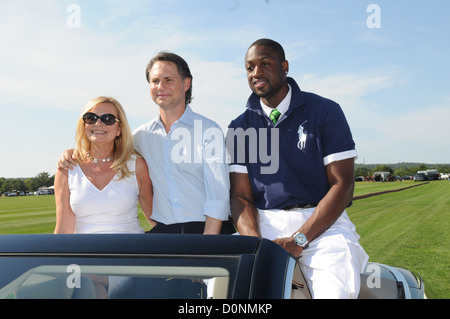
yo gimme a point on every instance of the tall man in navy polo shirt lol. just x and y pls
(296, 196)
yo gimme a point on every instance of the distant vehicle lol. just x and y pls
(420, 177)
(163, 266)
(432, 174)
(381, 176)
(359, 178)
(41, 192)
(407, 177)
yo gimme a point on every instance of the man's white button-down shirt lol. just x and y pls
(188, 168)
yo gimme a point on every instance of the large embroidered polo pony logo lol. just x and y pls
(301, 136)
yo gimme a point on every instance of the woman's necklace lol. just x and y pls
(98, 160)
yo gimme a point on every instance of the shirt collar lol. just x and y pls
(297, 99)
(282, 107)
(186, 118)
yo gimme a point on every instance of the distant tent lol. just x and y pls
(45, 189)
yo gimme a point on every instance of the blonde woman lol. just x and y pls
(100, 195)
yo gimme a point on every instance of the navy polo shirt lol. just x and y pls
(286, 162)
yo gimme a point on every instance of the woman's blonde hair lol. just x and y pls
(123, 144)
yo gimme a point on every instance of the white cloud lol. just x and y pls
(418, 135)
(349, 89)
(426, 126)
(220, 90)
(355, 92)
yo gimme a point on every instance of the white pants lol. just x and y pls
(332, 263)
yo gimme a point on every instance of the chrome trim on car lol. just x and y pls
(399, 276)
(288, 279)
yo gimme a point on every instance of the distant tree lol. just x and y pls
(421, 167)
(362, 171)
(405, 170)
(2, 185)
(44, 179)
(17, 184)
(383, 168)
(30, 184)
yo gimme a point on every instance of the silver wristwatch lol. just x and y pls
(301, 240)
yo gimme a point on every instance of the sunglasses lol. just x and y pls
(107, 119)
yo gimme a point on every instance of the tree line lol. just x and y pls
(400, 169)
(26, 184)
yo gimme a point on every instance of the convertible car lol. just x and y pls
(142, 266)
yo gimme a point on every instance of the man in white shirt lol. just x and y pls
(185, 153)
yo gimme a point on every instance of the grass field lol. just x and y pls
(409, 228)
(27, 214)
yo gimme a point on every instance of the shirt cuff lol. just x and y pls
(217, 209)
(339, 157)
(238, 169)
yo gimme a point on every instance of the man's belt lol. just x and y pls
(299, 206)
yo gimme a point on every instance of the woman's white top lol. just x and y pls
(112, 209)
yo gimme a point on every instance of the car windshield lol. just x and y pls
(117, 277)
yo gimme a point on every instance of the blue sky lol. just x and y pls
(392, 82)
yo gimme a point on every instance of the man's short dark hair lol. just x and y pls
(182, 66)
(273, 44)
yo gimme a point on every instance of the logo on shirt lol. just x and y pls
(301, 136)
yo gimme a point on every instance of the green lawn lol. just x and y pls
(27, 214)
(34, 215)
(362, 188)
(409, 228)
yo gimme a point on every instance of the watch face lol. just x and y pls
(300, 239)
